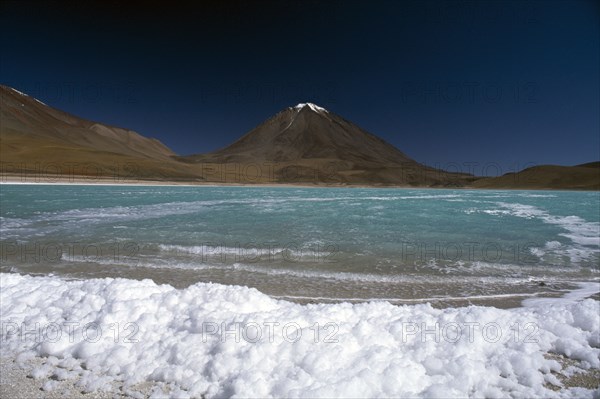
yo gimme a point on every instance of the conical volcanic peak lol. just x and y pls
(325, 147)
(309, 132)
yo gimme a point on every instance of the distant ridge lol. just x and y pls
(589, 165)
(304, 144)
(34, 137)
(551, 177)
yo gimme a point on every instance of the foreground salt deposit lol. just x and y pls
(222, 341)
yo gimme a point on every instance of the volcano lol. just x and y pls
(309, 143)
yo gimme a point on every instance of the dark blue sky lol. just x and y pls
(490, 82)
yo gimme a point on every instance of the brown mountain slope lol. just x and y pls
(36, 138)
(590, 165)
(308, 143)
(310, 132)
(305, 144)
(580, 177)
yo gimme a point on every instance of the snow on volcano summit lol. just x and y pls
(312, 106)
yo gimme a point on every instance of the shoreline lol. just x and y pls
(559, 291)
(107, 181)
(572, 291)
(18, 382)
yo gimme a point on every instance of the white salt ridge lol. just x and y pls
(581, 231)
(108, 215)
(12, 227)
(584, 235)
(585, 290)
(375, 354)
(527, 195)
(406, 300)
(294, 252)
(508, 273)
(548, 247)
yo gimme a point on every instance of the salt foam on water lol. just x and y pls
(215, 340)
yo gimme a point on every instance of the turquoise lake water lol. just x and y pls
(308, 244)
